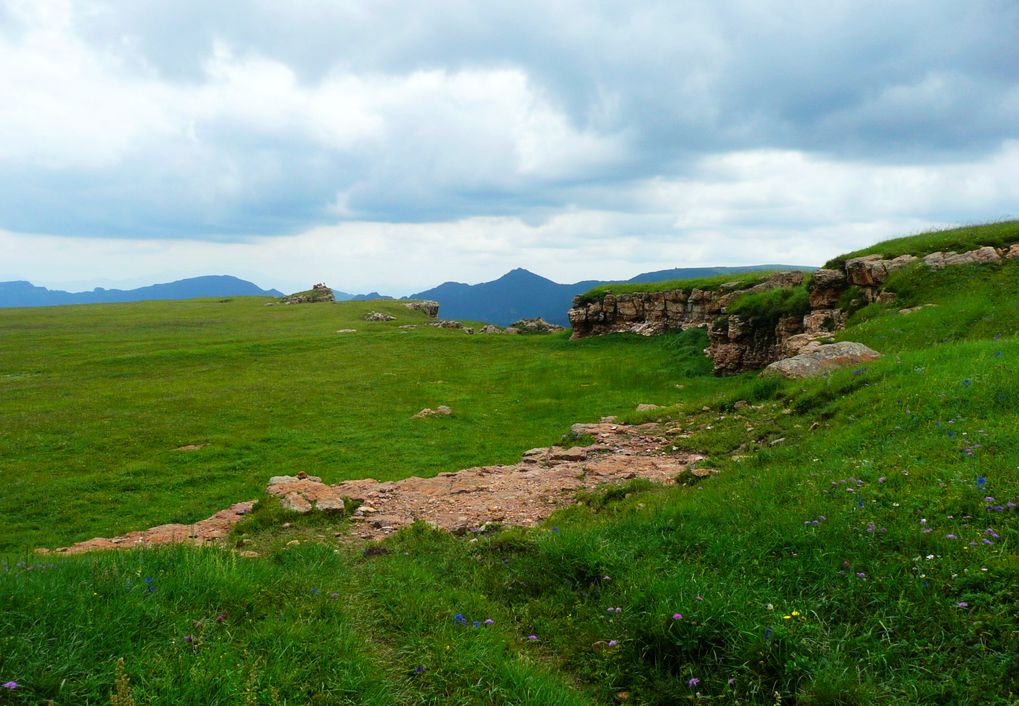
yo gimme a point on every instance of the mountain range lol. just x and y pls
(23, 293)
(518, 294)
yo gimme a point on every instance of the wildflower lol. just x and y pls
(150, 589)
(459, 618)
(12, 685)
(991, 532)
(148, 580)
(871, 527)
(962, 604)
(189, 639)
(950, 536)
(532, 638)
(419, 669)
(334, 595)
(489, 621)
(555, 529)
(768, 633)
(314, 591)
(981, 481)
(822, 518)
(967, 382)
(221, 618)
(861, 575)
(476, 623)
(612, 643)
(677, 616)
(693, 682)
(985, 540)
(882, 479)
(795, 613)
(732, 681)
(787, 617)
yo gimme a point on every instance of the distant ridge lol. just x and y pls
(21, 293)
(521, 294)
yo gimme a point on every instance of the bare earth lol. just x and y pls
(522, 494)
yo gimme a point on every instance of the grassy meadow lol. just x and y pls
(858, 545)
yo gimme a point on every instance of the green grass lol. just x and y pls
(875, 508)
(772, 304)
(746, 279)
(96, 400)
(953, 239)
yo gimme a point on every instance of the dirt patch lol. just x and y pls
(522, 494)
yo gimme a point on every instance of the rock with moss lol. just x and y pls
(823, 360)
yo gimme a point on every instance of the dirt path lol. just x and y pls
(521, 494)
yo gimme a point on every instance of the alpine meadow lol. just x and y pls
(851, 539)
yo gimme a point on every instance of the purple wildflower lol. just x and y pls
(532, 638)
(459, 618)
(962, 604)
(871, 527)
(991, 532)
(419, 669)
(950, 536)
(489, 621)
(612, 643)
(693, 682)
(882, 479)
(677, 616)
(189, 639)
(861, 575)
(732, 681)
(985, 540)
(12, 685)
(476, 623)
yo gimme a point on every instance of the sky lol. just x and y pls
(392, 145)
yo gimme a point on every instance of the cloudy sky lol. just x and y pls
(393, 145)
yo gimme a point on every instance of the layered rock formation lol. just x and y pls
(739, 342)
(651, 313)
(318, 293)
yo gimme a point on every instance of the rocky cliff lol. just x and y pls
(751, 340)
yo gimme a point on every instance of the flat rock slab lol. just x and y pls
(210, 530)
(524, 494)
(822, 360)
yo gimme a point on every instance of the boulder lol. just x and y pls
(1013, 252)
(537, 325)
(429, 307)
(822, 360)
(378, 316)
(939, 260)
(490, 329)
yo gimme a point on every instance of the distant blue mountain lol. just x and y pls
(520, 294)
(26, 294)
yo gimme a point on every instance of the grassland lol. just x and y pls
(857, 546)
(96, 400)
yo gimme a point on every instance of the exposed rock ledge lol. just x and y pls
(522, 494)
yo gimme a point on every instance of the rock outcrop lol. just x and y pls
(470, 500)
(429, 307)
(538, 325)
(318, 293)
(652, 313)
(739, 342)
(378, 316)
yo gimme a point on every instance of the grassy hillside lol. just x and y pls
(857, 546)
(949, 240)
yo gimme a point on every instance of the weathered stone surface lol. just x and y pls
(466, 501)
(643, 407)
(914, 309)
(799, 343)
(822, 360)
(1013, 252)
(489, 329)
(872, 270)
(826, 287)
(446, 324)
(429, 307)
(824, 321)
(740, 343)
